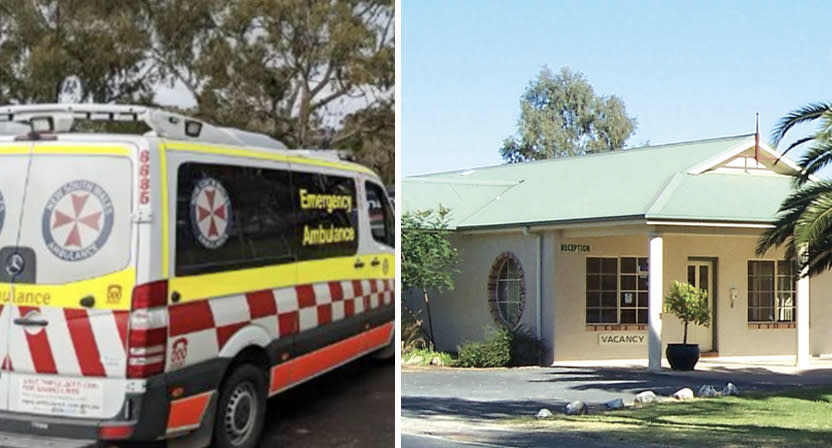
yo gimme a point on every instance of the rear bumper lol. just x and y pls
(15, 440)
(147, 413)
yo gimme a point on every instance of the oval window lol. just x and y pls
(507, 290)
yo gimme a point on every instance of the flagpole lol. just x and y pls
(757, 140)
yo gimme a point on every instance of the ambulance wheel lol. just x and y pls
(241, 411)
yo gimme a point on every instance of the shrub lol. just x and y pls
(428, 357)
(413, 336)
(526, 348)
(689, 304)
(494, 352)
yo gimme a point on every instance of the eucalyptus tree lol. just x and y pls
(86, 50)
(561, 116)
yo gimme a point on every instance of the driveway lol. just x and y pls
(450, 402)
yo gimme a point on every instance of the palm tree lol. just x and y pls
(804, 220)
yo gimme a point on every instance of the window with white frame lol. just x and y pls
(616, 290)
(633, 294)
(772, 290)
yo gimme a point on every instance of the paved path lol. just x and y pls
(451, 403)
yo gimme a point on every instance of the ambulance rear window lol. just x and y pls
(72, 215)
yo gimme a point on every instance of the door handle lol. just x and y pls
(375, 262)
(30, 323)
(359, 264)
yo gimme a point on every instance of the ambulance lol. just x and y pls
(161, 284)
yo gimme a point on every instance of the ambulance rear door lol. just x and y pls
(14, 160)
(67, 321)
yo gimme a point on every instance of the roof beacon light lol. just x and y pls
(42, 124)
(193, 128)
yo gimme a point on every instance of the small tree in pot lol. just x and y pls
(690, 305)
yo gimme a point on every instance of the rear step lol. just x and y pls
(14, 440)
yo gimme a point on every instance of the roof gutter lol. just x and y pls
(628, 220)
(700, 223)
(556, 225)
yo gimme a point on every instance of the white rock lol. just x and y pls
(576, 408)
(730, 389)
(614, 404)
(645, 397)
(683, 394)
(543, 413)
(437, 361)
(707, 392)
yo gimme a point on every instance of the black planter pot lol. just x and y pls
(682, 356)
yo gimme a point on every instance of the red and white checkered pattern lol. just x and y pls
(209, 324)
(92, 343)
(88, 343)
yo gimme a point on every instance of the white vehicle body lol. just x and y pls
(139, 272)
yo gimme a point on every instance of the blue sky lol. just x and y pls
(685, 70)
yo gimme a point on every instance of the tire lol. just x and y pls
(241, 410)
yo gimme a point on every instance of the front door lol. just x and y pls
(700, 274)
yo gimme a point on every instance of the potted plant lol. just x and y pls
(690, 305)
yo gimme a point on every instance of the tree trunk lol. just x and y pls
(303, 117)
(430, 318)
(685, 339)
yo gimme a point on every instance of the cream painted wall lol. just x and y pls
(733, 337)
(572, 339)
(820, 314)
(463, 314)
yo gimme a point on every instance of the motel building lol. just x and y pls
(581, 252)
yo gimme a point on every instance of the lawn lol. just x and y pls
(799, 419)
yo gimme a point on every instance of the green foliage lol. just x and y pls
(804, 220)
(428, 259)
(689, 304)
(502, 348)
(311, 73)
(526, 348)
(294, 69)
(427, 357)
(413, 337)
(106, 45)
(494, 352)
(370, 135)
(561, 116)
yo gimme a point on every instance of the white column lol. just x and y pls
(802, 302)
(654, 302)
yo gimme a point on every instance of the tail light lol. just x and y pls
(115, 432)
(147, 342)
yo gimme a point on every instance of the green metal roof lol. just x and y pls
(649, 182)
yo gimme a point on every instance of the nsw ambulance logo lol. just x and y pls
(210, 213)
(2, 212)
(77, 220)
